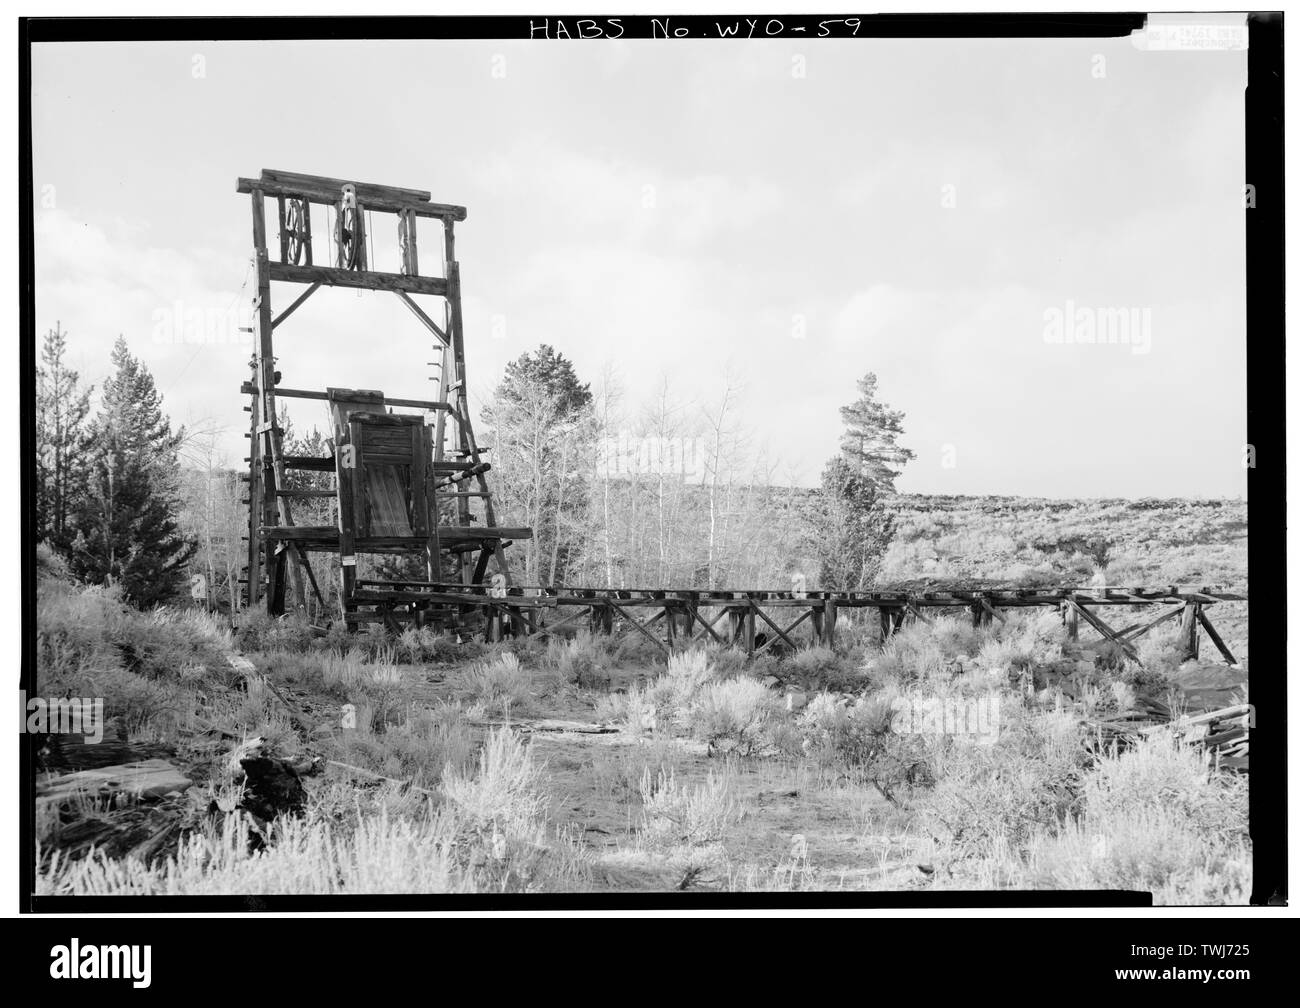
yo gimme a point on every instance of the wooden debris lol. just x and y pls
(378, 776)
(1225, 732)
(139, 781)
(549, 725)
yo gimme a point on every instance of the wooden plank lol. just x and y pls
(1106, 631)
(1189, 641)
(267, 437)
(830, 614)
(253, 570)
(311, 574)
(476, 534)
(297, 302)
(412, 264)
(310, 463)
(419, 483)
(370, 195)
(628, 616)
(306, 231)
(1133, 633)
(344, 533)
(335, 276)
(283, 232)
(1214, 635)
(288, 393)
(360, 511)
(363, 189)
(419, 313)
(783, 633)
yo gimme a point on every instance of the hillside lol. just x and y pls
(1039, 541)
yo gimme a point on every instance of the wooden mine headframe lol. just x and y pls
(393, 472)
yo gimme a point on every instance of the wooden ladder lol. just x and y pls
(276, 494)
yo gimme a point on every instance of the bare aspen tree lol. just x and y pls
(661, 441)
(719, 467)
(609, 395)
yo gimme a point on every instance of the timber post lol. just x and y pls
(1189, 642)
(830, 616)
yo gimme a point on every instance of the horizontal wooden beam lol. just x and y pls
(333, 276)
(326, 534)
(248, 388)
(362, 189)
(370, 197)
(371, 596)
(310, 463)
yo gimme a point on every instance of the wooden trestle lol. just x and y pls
(397, 476)
(758, 620)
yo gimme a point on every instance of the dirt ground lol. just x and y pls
(795, 826)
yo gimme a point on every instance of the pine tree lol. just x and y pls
(61, 441)
(133, 406)
(129, 532)
(551, 372)
(870, 441)
(128, 526)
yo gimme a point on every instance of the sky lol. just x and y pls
(948, 214)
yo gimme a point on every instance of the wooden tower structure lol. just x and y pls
(400, 482)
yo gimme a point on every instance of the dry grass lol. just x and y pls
(1156, 819)
(1033, 809)
(490, 835)
(501, 685)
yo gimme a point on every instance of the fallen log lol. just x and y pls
(137, 781)
(549, 725)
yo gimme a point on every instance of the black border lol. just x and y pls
(1265, 427)
(1063, 25)
(1265, 257)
